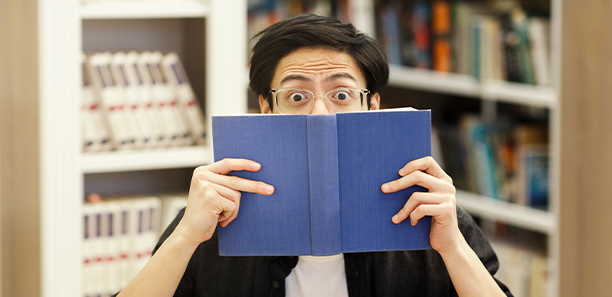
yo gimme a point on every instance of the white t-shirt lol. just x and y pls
(317, 276)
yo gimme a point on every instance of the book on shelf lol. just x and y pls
(139, 91)
(138, 101)
(96, 136)
(111, 100)
(422, 34)
(441, 31)
(190, 108)
(327, 171)
(523, 270)
(135, 112)
(119, 236)
(502, 160)
(522, 256)
(177, 131)
(264, 13)
(472, 38)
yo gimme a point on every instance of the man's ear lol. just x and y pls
(263, 105)
(375, 101)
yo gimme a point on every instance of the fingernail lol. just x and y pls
(401, 172)
(269, 189)
(412, 223)
(256, 165)
(395, 218)
(385, 187)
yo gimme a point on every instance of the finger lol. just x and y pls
(226, 192)
(241, 184)
(427, 164)
(418, 178)
(440, 212)
(415, 200)
(228, 165)
(227, 209)
(233, 196)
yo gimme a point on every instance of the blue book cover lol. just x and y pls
(327, 171)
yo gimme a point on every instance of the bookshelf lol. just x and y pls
(42, 146)
(489, 92)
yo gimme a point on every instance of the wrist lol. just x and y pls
(185, 236)
(456, 250)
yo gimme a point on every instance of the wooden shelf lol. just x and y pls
(466, 85)
(510, 213)
(144, 9)
(117, 161)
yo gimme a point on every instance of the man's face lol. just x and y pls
(320, 71)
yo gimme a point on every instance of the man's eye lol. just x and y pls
(297, 97)
(342, 95)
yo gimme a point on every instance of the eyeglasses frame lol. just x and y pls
(362, 92)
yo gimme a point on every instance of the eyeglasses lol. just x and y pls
(301, 101)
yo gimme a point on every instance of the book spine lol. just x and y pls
(441, 25)
(324, 185)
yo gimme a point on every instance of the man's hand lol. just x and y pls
(215, 197)
(439, 202)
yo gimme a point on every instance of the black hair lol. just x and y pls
(314, 31)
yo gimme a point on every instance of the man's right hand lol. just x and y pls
(215, 197)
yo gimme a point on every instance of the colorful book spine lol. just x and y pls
(441, 30)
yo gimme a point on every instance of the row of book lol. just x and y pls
(136, 101)
(264, 13)
(502, 160)
(119, 236)
(525, 272)
(487, 41)
(523, 263)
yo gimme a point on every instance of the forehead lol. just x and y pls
(316, 64)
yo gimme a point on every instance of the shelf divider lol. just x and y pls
(467, 85)
(144, 9)
(118, 161)
(510, 213)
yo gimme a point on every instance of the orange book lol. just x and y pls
(441, 20)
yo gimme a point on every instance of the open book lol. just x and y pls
(327, 171)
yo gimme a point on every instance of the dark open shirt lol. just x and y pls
(403, 273)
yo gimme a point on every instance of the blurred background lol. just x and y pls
(105, 111)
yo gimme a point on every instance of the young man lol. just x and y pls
(316, 65)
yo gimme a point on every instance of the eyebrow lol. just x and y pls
(339, 76)
(295, 77)
(331, 78)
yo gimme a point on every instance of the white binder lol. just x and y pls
(144, 93)
(94, 130)
(139, 129)
(89, 251)
(174, 71)
(163, 97)
(109, 94)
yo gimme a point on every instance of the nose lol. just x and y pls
(320, 107)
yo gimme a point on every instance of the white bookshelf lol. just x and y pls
(118, 161)
(45, 250)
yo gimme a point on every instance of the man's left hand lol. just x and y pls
(439, 202)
